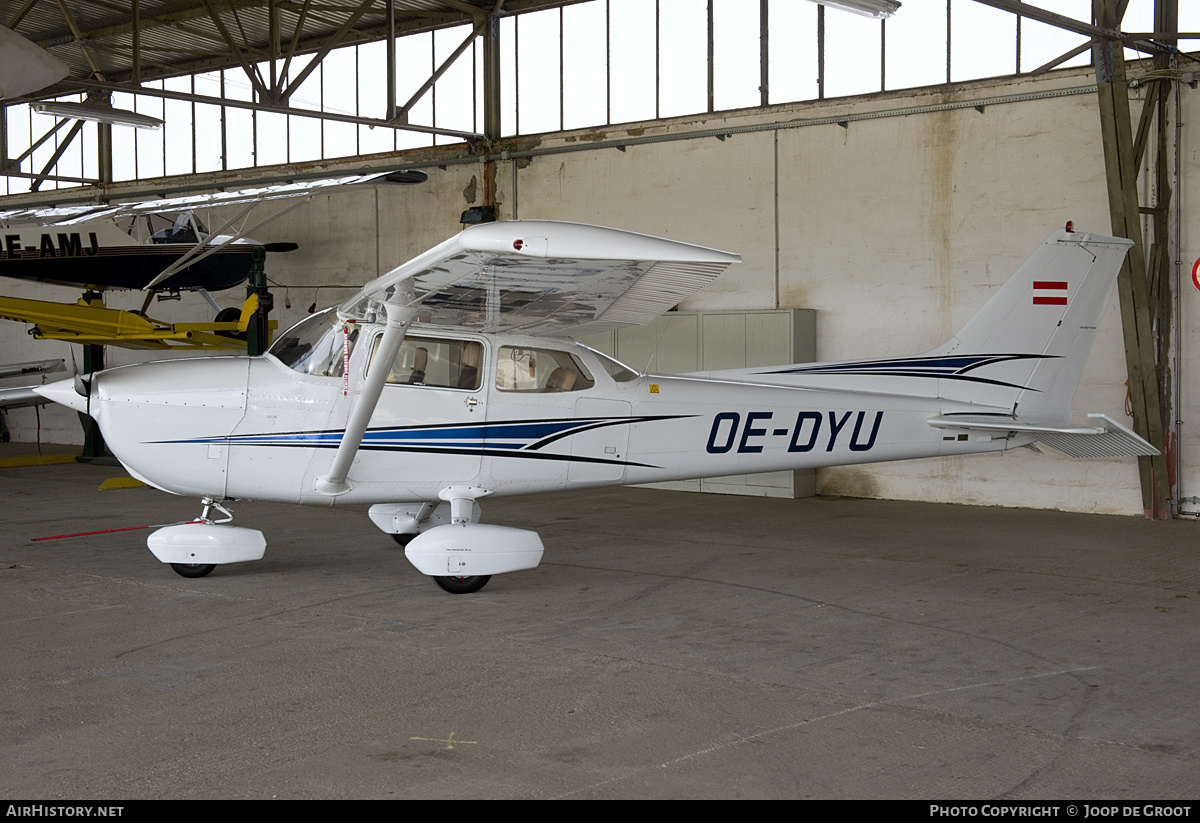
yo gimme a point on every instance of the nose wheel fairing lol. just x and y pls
(190, 547)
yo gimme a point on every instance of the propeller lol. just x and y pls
(83, 387)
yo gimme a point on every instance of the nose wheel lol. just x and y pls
(463, 585)
(193, 569)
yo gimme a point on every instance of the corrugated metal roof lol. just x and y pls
(176, 37)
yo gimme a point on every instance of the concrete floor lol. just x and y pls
(670, 645)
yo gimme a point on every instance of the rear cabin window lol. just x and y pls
(444, 364)
(617, 370)
(540, 370)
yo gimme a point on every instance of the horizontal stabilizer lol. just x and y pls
(1107, 438)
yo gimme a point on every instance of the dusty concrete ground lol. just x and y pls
(670, 645)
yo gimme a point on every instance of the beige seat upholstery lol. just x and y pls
(468, 378)
(562, 379)
(420, 361)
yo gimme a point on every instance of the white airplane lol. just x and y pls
(453, 378)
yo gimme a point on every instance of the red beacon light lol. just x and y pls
(517, 244)
(1070, 225)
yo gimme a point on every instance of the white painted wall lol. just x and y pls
(894, 229)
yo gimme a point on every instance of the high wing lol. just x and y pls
(19, 397)
(537, 277)
(14, 397)
(67, 215)
(544, 278)
(32, 367)
(161, 255)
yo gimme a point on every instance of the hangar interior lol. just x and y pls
(886, 174)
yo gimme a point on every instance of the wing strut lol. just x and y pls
(335, 483)
(195, 255)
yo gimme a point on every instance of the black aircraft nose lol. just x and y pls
(407, 176)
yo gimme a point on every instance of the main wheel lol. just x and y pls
(463, 585)
(193, 569)
(403, 539)
(230, 315)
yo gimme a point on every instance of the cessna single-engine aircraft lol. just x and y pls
(453, 378)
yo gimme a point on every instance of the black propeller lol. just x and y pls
(83, 387)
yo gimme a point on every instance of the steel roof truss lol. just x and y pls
(250, 69)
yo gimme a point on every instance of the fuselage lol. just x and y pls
(509, 414)
(100, 255)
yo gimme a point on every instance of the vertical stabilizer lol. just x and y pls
(1035, 333)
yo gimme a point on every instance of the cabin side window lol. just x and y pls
(443, 364)
(316, 345)
(540, 370)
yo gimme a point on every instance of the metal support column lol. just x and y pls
(764, 54)
(1121, 171)
(390, 112)
(104, 154)
(491, 102)
(1160, 275)
(273, 49)
(258, 332)
(3, 138)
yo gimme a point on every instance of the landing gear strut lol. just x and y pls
(194, 570)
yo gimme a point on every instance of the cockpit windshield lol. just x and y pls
(182, 229)
(317, 345)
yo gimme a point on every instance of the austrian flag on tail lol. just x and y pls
(1049, 292)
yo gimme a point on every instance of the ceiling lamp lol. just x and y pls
(100, 114)
(879, 9)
